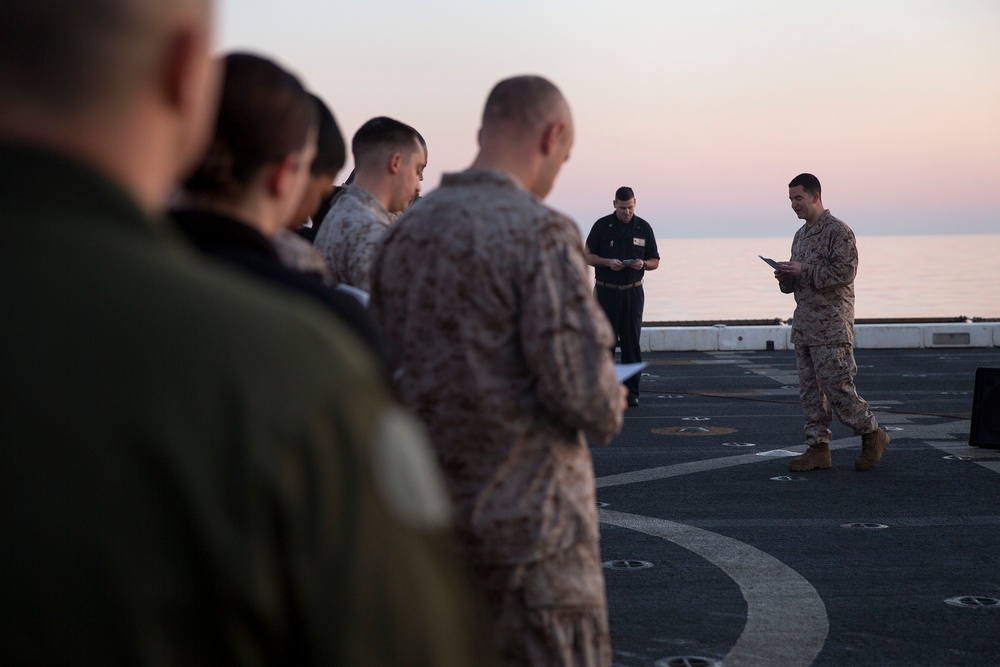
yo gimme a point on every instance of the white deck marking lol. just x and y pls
(962, 448)
(786, 619)
(663, 472)
(951, 437)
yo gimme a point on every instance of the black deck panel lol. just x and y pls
(752, 565)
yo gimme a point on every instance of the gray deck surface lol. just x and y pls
(753, 565)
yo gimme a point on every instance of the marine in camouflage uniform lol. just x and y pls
(389, 158)
(820, 273)
(351, 236)
(503, 352)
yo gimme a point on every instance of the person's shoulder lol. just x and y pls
(601, 223)
(329, 200)
(346, 218)
(486, 188)
(836, 224)
(553, 224)
(357, 208)
(643, 225)
(246, 315)
(830, 217)
(556, 217)
(345, 200)
(208, 313)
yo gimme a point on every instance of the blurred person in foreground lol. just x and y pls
(251, 182)
(820, 273)
(193, 469)
(504, 353)
(389, 159)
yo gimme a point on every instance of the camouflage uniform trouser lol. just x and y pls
(826, 385)
(551, 612)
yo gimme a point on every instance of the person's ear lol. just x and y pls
(552, 137)
(183, 68)
(188, 88)
(395, 162)
(178, 70)
(280, 176)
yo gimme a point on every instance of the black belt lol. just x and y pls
(614, 286)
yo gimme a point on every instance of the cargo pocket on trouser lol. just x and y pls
(566, 609)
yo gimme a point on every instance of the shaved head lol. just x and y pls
(127, 86)
(527, 131)
(523, 104)
(379, 138)
(63, 55)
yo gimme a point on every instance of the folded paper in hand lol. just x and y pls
(625, 371)
(774, 264)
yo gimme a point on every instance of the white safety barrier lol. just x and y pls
(721, 337)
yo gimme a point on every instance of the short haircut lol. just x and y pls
(331, 153)
(264, 115)
(522, 102)
(68, 55)
(624, 193)
(810, 184)
(380, 136)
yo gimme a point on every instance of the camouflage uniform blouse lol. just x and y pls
(483, 295)
(297, 253)
(351, 236)
(824, 291)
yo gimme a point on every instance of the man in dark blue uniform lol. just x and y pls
(621, 247)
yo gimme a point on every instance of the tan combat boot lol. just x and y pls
(816, 457)
(872, 446)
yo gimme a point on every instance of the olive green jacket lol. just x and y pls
(196, 469)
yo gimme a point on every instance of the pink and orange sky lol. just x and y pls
(707, 109)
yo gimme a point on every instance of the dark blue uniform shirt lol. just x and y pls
(613, 239)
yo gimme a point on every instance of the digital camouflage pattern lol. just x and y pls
(535, 603)
(483, 295)
(824, 292)
(297, 253)
(823, 328)
(351, 236)
(826, 386)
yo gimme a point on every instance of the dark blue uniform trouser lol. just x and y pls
(624, 308)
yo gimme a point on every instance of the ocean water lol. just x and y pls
(898, 277)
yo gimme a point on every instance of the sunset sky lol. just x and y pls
(706, 108)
